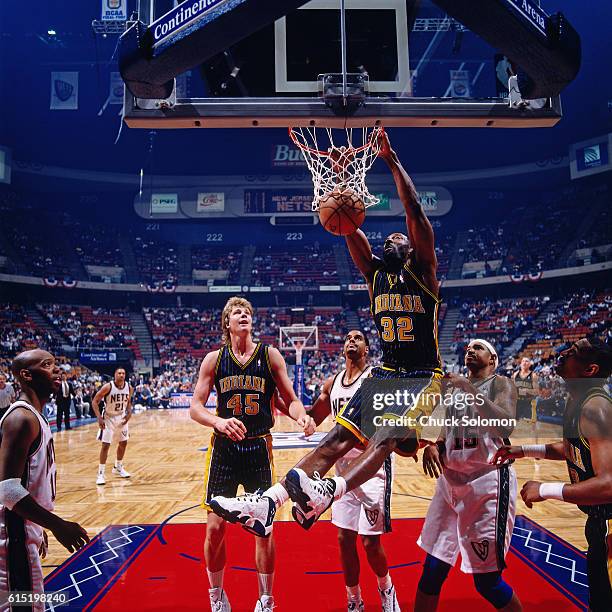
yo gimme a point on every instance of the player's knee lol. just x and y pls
(215, 531)
(434, 574)
(338, 440)
(346, 538)
(493, 588)
(371, 544)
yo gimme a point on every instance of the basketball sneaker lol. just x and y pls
(254, 512)
(100, 480)
(355, 606)
(120, 471)
(312, 495)
(388, 598)
(265, 602)
(304, 521)
(219, 601)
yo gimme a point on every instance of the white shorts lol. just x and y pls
(114, 429)
(475, 519)
(366, 509)
(20, 566)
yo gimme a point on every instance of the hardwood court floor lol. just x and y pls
(166, 461)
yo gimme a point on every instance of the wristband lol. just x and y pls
(552, 490)
(538, 451)
(12, 492)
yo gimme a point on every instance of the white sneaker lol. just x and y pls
(219, 601)
(312, 495)
(254, 512)
(100, 480)
(354, 606)
(388, 598)
(265, 602)
(121, 472)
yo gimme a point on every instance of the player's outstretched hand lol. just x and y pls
(432, 466)
(307, 424)
(531, 493)
(70, 535)
(507, 453)
(386, 152)
(232, 428)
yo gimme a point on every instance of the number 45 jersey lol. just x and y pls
(245, 392)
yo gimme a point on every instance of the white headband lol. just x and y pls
(487, 345)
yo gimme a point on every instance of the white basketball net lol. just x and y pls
(339, 161)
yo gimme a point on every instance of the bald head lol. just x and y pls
(28, 359)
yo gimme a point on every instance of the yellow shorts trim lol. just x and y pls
(207, 462)
(340, 420)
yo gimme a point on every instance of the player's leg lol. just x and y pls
(485, 524)
(265, 557)
(347, 541)
(105, 436)
(440, 540)
(215, 558)
(374, 498)
(124, 436)
(219, 479)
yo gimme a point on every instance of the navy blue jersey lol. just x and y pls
(406, 316)
(245, 392)
(578, 451)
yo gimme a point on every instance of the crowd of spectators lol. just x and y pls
(219, 258)
(306, 266)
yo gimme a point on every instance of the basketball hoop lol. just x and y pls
(339, 162)
(298, 338)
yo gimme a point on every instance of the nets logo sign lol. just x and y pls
(164, 203)
(591, 157)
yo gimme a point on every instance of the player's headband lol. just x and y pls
(487, 345)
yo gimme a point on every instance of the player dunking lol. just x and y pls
(117, 396)
(246, 376)
(366, 510)
(27, 480)
(586, 448)
(404, 293)
(473, 509)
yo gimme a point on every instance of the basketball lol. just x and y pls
(341, 212)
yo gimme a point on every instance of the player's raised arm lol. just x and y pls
(232, 428)
(361, 254)
(295, 408)
(420, 232)
(322, 406)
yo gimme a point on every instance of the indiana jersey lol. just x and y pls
(116, 400)
(406, 317)
(470, 446)
(578, 451)
(245, 392)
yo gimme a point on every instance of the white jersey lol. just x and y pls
(469, 445)
(116, 400)
(20, 567)
(339, 396)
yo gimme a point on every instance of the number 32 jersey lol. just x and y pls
(245, 392)
(406, 316)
